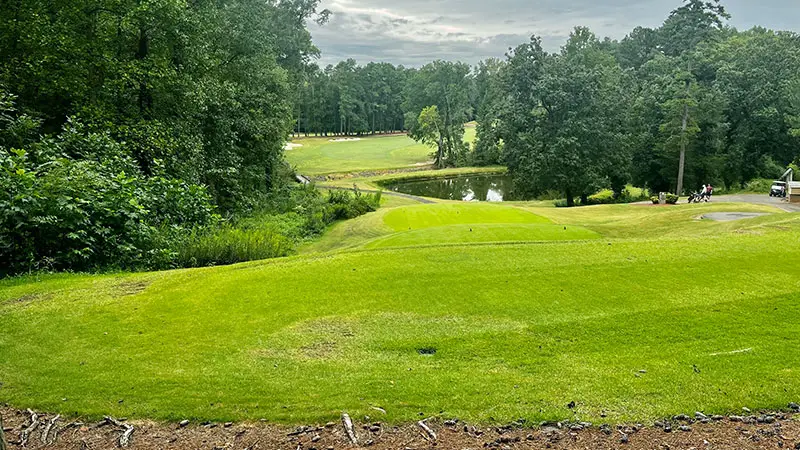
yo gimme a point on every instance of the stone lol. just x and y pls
(685, 428)
(624, 439)
(746, 409)
(736, 418)
(700, 416)
(766, 419)
(316, 438)
(228, 424)
(184, 423)
(794, 406)
(682, 417)
(717, 417)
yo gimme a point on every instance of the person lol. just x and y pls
(709, 191)
(703, 191)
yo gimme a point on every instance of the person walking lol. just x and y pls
(709, 191)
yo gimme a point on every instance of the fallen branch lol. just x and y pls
(3, 443)
(23, 437)
(348, 428)
(46, 433)
(431, 434)
(125, 439)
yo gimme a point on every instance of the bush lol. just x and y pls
(66, 214)
(655, 200)
(672, 199)
(290, 217)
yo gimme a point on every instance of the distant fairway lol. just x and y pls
(319, 156)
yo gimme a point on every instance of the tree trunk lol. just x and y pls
(682, 161)
(145, 96)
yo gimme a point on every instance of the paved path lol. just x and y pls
(731, 216)
(759, 199)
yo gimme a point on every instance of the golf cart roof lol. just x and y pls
(781, 183)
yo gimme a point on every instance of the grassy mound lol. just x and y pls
(459, 234)
(427, 216)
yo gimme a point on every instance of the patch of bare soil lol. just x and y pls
(127, 288)
(763, 431)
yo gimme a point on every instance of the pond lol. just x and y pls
(491, 188)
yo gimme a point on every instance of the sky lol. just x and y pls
(414, 32)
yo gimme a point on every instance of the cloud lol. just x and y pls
(414, 32)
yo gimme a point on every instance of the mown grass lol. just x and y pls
(520, 330)
(319, 155)
(459, 234)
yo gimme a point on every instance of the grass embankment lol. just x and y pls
(518, 330)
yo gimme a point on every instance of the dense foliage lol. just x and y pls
(689, 103)
(124, 123)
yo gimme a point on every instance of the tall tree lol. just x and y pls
(565, 131)
(445, 85)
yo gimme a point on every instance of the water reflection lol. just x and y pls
(492, 188)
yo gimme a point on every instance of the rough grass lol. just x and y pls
(708, 312)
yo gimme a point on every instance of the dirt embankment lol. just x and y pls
(760, 431)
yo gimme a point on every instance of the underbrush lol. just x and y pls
(275, 229)
(630, 194)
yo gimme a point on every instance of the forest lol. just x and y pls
(133, 134)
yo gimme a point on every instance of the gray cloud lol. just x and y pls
(413, 32)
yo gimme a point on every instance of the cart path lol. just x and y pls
(759, 199)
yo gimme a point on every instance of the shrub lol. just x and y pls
(672, 199)
(655, 199)
(289, 217)
(66, 214)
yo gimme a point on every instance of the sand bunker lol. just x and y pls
(345, 140)
(290, 146)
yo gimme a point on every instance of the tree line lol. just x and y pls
(691, 102)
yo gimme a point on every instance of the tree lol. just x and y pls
(491, 102)
(447, 86)
(695, 22)
(565, 126)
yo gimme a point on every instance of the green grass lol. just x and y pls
(520, 329)
(459, 234)
(320, 156)
(426, 216)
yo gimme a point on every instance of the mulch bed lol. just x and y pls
(773, 431)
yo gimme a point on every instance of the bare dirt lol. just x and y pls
(760, 431)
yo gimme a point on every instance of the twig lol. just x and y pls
(23, 437)
(427, 430)
(125, 439)
(348, 428)
(3, 443)
(46, 433)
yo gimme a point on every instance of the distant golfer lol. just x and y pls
(709, 191)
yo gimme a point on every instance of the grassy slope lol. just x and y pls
(520, 330)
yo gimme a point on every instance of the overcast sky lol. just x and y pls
(414, 32)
